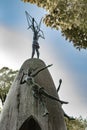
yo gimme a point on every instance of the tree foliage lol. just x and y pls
(70, 16)
(77, 124)
(6, 78)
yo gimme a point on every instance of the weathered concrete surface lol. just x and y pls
(20, 104)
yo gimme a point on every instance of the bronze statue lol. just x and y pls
(37, 33)
(29, 79)
(38, 91)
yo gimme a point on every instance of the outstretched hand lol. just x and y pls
(49, 65)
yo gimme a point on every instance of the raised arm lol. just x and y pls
(60, 81)
(43, 92)
(41, 35)
(39, 70)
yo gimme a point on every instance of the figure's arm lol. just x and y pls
(39, 70)
(60, 81)
(69, 118)
(33, 26)
(22, 81)
(39, 35)
(43, 92)
(30, 27)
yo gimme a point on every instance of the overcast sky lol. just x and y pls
(68, 63)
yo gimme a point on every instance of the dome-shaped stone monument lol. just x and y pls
(22, 111)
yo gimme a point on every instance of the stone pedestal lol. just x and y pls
(23, 112)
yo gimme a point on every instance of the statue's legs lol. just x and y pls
(33, 51)
(35, 47)
(37, 52)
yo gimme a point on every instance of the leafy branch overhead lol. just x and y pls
(70, 16)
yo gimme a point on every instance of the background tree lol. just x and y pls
(6, 78)
(77, 124)
(70, 16)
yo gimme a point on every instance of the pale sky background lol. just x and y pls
(68, 63)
